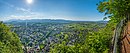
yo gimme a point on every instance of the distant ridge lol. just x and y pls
(39, 20)
(51, 20)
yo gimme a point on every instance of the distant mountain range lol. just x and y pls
(39, 20)
(51, 20)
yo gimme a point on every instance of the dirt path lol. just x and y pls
(125, 47)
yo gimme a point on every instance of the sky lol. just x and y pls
(77, 10)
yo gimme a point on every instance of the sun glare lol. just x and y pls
(29, 1)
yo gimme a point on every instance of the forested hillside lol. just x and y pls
(9, 41)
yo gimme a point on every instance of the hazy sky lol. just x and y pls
(83, 10)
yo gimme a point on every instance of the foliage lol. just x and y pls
(99, 42)
(116, 10)
(68, 46)
(9, 41)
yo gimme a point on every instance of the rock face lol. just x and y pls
(126, 39)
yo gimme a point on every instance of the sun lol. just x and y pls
(29, 1)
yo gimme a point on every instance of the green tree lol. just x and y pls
(9, 41)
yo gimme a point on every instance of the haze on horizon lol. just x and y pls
(80, 10)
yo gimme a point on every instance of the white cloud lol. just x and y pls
(29, 14)
(40, 16)
(36, 16)
(8, 4)
(24, 10)
(25, 17)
